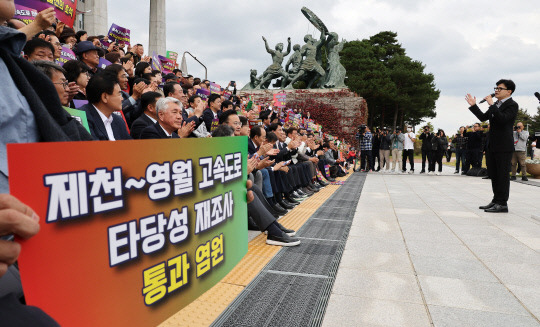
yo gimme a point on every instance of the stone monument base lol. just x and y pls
(339, 111)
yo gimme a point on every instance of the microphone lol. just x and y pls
(537, 95)
(493, 94)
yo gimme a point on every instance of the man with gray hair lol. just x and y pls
(57, 75)
(169, 121)
(520, 151)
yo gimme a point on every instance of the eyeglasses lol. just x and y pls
(499, 89)
(237, 123)
(65, 84)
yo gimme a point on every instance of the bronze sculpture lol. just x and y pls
(306, 61)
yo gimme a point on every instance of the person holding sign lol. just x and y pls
(213, 112)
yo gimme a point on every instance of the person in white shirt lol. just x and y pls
(408, 150)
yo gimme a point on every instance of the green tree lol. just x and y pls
(395, 86)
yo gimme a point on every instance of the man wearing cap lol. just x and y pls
(171, 78)
(87, 52)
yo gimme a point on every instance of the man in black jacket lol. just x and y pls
(169, 121)
(502, 116)
(149, 116)
(105, 97)
(426, 137)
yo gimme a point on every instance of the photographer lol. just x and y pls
(426, 137)
(460, 146)
(474, 148)
(384, 149)
(396, 140)
(366, 145)
(438, 145)
(520, 151)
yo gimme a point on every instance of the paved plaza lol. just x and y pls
(421, 253)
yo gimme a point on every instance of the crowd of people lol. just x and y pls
(130, 100)
(385, 149)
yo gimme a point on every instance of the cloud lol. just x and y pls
(467, 45)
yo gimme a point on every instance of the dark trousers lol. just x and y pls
(426, 154)
(366, 160)
(473, 159)
(460, 158)
(408, 154)
(376, 159)
(499, 172)
(437, 159)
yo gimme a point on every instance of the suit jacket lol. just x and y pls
(97, 128)
(208, 117)
(501, 121)
(252, 148)
(155, 131)
(139, 124)
(53, 122)
(284, 153)
(131, 111)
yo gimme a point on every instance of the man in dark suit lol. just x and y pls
(502, 116)
(169, 120)
(149, 116)
(105, 97)
(213, 112)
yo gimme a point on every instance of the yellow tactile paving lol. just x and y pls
(206, 309)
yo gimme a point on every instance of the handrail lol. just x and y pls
(205, 69)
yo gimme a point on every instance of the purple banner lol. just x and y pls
(25, 14)
(215, 88)
(156, 63)
(103, 63)
(120, 34)
(166, 64)
(65, 9)
(79, 103)
(203, 93)
(66, 56)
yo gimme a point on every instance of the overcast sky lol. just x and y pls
(467, 45)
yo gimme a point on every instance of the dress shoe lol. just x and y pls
(491, 204)
(285, 204)
(306, 191)
(524, 178)
(280, 210)
(291, 200)
(512, 178)
(497, 208)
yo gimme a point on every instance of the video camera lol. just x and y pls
(361, 131)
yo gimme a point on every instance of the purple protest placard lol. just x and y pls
(203, 93)
(25, 14)
(120, 34)
(215, 88)
(65, 56)
(65, 9)
(79, 103)
(103, 63)
(156, 63)
(166, 64)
